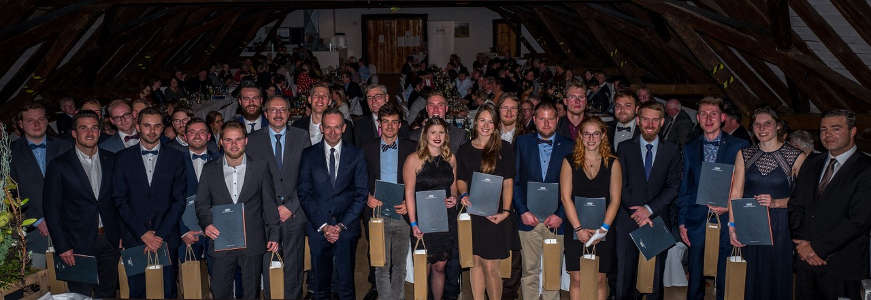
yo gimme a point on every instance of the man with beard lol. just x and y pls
(509, 106)
(713, 145)
(196, 156)
(651, 180)
(625, 128)
(234, 178)
(280, 146)
(179, 120)
(122, 117)
(367, 129)
(575, 103)
(149, 187)
(250, 99)
(79, 210)
(320, 101)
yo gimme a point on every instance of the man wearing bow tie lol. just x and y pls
(122, 117)
(624, 128)
(197, 154)
(149, 188)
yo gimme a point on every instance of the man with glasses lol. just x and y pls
(179, 119)
(367, 129)
(121, 116)
(250, 100)
(437, 106)
(509, 107)
(320, 100)
(576, 103)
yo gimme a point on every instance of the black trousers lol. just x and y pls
(107, 271)
(823, 283)
(224, 272)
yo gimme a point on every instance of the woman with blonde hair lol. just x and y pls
(591, 171)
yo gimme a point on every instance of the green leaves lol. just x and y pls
(28, 222)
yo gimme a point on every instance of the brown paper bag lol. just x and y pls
(123, 286)
(276, 277)
(55, 286)
(712, 244)
(589, 274)
(153, 277)
(192, 281)
(377, 256)
(307, 257)
(646, 271)
(505, 267)
(552, 263)
(420, 281)
(736, 274)
(464, 239)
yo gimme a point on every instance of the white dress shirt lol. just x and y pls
(338, 154)
(256, 123)
(129, 143)
(198, 163)
(234, 177)
(620, 136)
(508, 136)
(180, 141)
(841, 159)
(150, 161)
(314, 132)
(94, 171)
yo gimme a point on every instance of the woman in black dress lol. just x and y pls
(433, 167)
(591, 171)
(487, 153)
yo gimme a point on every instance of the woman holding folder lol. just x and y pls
(591, 171)
(487, 153)
(766, 171)
(433, 167)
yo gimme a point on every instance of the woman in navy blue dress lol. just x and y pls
(766, 172)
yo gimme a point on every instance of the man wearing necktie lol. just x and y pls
(713, 145)
(250, 101)
(651, 180)
(30, 156)
(625, 127)
(332, 191)
(280, 146)
(830, 215)
(149, 191)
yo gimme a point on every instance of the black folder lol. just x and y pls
(85, 270)
(189, 217)
(715, 181)
(230, 221)
(485, 194)
(591, 212)
(432, 215)
(752, 222)
(135, 261)
(390, 194)
(652, 240)
(542, 199)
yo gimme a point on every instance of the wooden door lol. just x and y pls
(506, 38)
(389, 39)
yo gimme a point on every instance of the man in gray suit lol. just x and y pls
(232, 179)
(437, 106)
(280, 146)
(122, 117)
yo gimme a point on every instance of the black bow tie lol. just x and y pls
(131, 137)
(619, 129)
(34, 146)
(549, 142)
(384, 148)
(204, 156)
(714, 143)
(144, 152)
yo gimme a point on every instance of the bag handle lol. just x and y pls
(419, 241)
(736, 251)
(712, 215)
(151, 259)
(462, 207)
(553, 231)
(189, 254)
(376, 211)
(274, 254)
(591, 251)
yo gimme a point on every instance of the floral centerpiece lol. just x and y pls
(13, 252)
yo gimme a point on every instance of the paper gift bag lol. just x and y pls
(464, 239)
(192, 281)
(307, 257)
(712, 244)
(153, 277)
(377, 256)
(276, 276)
(589, 274)
(646, 270)
(736, 274)
(505, 267)
(123, 286)
(55, 286)
(420, 281)
(552, 263)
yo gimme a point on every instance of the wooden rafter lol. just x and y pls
(856, 12)
(746, 75)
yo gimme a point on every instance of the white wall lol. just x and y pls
(348, 21)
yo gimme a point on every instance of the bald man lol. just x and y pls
(678, 126)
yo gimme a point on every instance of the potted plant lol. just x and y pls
(14, 259)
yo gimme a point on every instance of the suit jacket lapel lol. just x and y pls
(285, 157)
(343, 161)
(535, 161)
(51, 149)
(555, 163)
(725, 140)
(83, 176)
(29, 158)
(249, 184)
(106, 180)
(843, 173)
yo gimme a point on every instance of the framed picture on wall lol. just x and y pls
(461, 30)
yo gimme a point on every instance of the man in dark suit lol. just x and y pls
(65, 119)
(250, 102)
(332, 191)
(625, 127)
(196, 155)
(713, 145)
(320, 100)
(651, 180)
(30, 156)
(366, 128)
(385, 158)
(830, 215)
(280, 146)
(352, 89)
(235, 178)
(733, 126)
(678, 127)
(179, 120)
(539, 157)
(437, 106)
(78, 206)
(123, 118)
(149, 188)
(576, 103)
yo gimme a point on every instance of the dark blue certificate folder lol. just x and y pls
(715, 181)
(230, 221)
(432, 215)
(652, 240)
(542, 199)
(752, 223)
(135, 261)
(591, 212)
(390, 194)
(189, 217)
(484, 194)
(85, 270)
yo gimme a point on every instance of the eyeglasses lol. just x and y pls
(250, 98)
(375, 97)
(276, 110)
(125, 116)
(576, 97)
(181, 121)
(588, 135)
(507, 108)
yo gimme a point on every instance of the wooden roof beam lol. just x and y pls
(856, 12)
